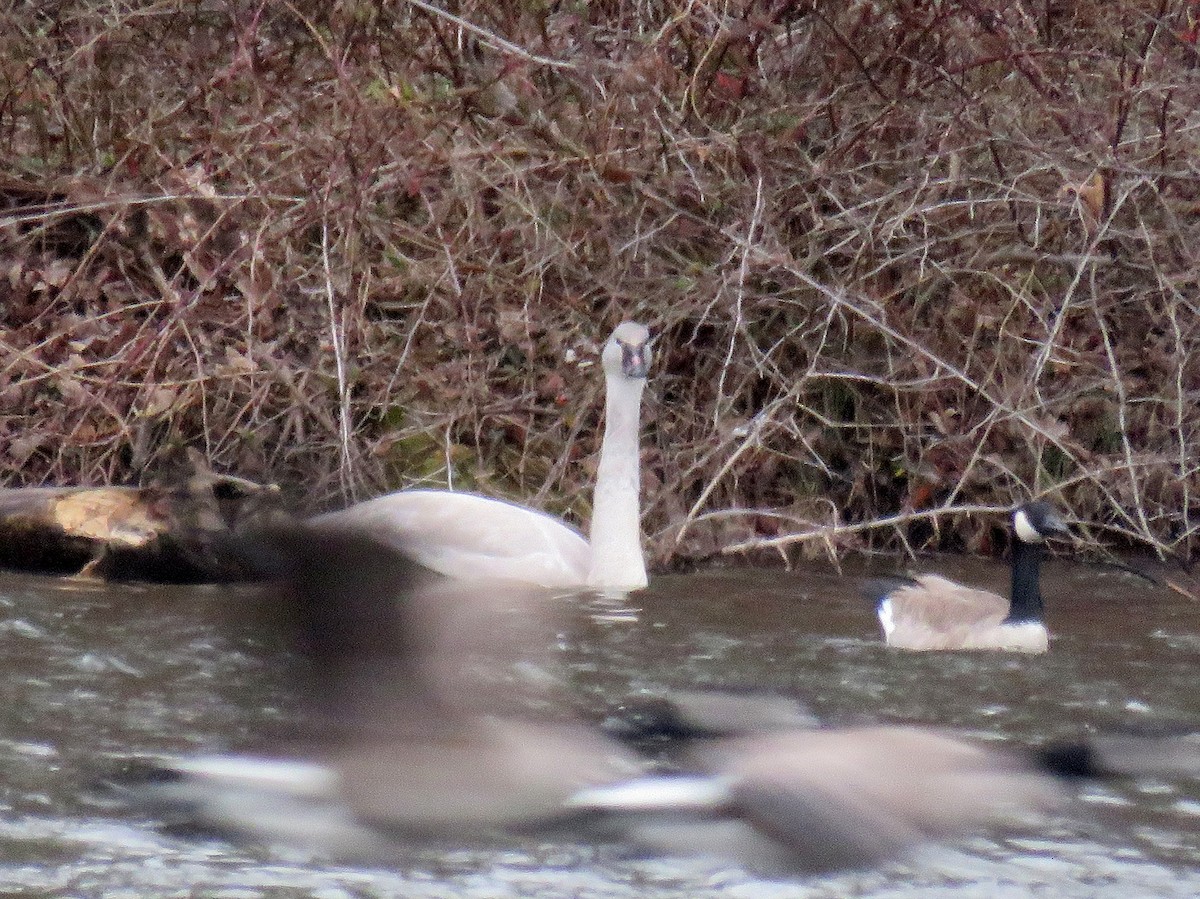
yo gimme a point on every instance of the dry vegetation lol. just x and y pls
(901, 256)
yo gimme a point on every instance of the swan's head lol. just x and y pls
(627, 353)
(1034, 522)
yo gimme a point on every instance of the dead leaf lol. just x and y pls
(58, 272)
(1090, 198)
(161, 400)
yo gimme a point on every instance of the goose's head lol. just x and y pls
(627, 353)
(1034, 522)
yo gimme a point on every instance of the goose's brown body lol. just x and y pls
(935, 613)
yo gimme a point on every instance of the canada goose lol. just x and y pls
(415, 726)
(400, 747)
(818, 800)
(932, 612)
(465, 535)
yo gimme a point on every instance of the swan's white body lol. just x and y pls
(465, 535)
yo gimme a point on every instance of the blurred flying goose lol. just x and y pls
(465, 535)
(932, 612)
(413, 736)
(416, 724)
(820, 800)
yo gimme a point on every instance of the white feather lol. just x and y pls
(648, 795)
(886, 617)
(296, 778)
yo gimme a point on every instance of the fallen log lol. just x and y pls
(173, 535)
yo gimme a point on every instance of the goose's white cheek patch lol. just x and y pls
(1026, 532)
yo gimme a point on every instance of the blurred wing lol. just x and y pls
(674, 719)
(387, 645)
(850, 798)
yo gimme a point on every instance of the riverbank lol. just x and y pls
(896, 259)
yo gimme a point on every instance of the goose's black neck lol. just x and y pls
(1026, 603)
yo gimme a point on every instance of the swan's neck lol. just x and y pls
(1026, 593)
(616, 532)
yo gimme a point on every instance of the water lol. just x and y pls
(94, 675)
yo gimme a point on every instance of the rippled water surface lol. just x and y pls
(94, 675)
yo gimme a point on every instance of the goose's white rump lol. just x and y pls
(464, 535)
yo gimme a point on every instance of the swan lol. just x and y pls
(932, 612)
(466, 535)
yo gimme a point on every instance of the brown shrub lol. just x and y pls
(902, 256)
